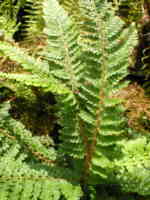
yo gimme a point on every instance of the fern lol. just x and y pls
(130, 11)
(84, 65)
(102, 114)
(33, 22)
(25, 179)
(63, 55)
(63, 52)
(22, 20)
(8, 18)
(133, 170)
(144, 71)
(105, 56)
(32, 65)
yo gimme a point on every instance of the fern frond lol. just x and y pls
(17, 130)
(27, 188)
(21, 56)
(63, 52)
(32, 26)
(71, 127)
(133, 169)
(31, 64)
(106, 46)
(73, 9)
(8, 17)
(63, 55)
(23, 177)
(20, 90)
(130, 11)
(145, 62)
(50, 84)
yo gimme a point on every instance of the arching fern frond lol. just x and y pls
(15, 129)
(50, 84)
(32, 25)
(33, 65)
(63, 55)
(106, 46)
(21, 56)
(26, 178)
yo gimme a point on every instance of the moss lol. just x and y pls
(38, 116)
(137, 106)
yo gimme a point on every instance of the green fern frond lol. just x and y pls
(73, 9)
(63, 52)
(33, 23)
(106, 46)
(23, 177)
(71, 127)
(43, 188)
(68, 5)
(63, 55)
(31, 64)
(19, 90)
(21, 56)
(130, 11)
(17, 130)
(133, 169)
(7, 28)
(50, 84)
(8, 17)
